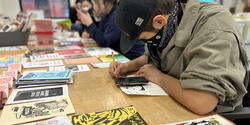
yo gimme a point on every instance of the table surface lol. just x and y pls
(96, 91)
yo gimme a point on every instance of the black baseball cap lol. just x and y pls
(132, 17)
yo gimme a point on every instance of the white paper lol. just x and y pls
(148, 89)
(75, 68)
(43, 64)
(101, 65)
(96, 51)
(36, 94)
(13, 48)
(67, 48)
(204, 121)
(59, 120)
(53, 56)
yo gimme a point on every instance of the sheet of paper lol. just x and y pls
(210, 120)
(101, 65)
(53, 56)
(36, 94)
(75, 56)
(148, 89)
(13, 48)
(96, 51)
(32, 111)
(59, 120)
(67, 52)
(81, 61)
(75, 68)
(43, 64)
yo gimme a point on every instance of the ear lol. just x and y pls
(159, 21)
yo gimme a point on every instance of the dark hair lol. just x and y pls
(110, 1)
(78, 1)
(163, 7)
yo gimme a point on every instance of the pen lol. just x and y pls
(113, 57)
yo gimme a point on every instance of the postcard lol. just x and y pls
(81, 61)
(43, 64)
(75, 68)
(32, 111)
(10, 60)
(151, 89)
(66, 52)
(36, 94)
(120, 116)
(52, 56)
(210, 120)
(59, 120)
(52, 75)
(12, 74)
(96, 51)
(101, 65)
(15, 67)
(67, 48)
(8, 80)
(118, 58)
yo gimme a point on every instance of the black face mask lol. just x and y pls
(155, 40)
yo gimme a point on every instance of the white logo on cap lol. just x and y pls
(139, 21)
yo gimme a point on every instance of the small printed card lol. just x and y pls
(67, 48)
(13, 74)
(101, 65)
(96, 51)
(66, 52)
(43, 64)
(15, 67)
(75, 68)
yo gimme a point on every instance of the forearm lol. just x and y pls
(135, 64)
(197, 101)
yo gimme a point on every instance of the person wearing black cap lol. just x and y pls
(108, 34)
(194, 51)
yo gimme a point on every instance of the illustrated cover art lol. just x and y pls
(122, 116)
(32, 111)
(67, 74)
(11, 60)
(118, 58)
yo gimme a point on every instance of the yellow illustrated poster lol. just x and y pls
(120, 116)
(27, 112)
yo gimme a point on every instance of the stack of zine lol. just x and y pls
(45, 78)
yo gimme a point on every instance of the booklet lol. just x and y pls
(52, 56)
(5, 61)
(36, 94)
(74, 68)
(118, 58)
(32, 111)
(67, 52)
(43, 64)
(81, 61)
(96, 51)
(67, 48)
(210, 120)
(74, 56)
(52, 75)
(59, 120)
(120, 116)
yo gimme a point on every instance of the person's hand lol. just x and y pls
(121, 69)
(85, 35)
(98, 8)
(84, 17)
(78, 22)
(150, 72)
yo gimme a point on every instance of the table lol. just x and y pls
(96, 91)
